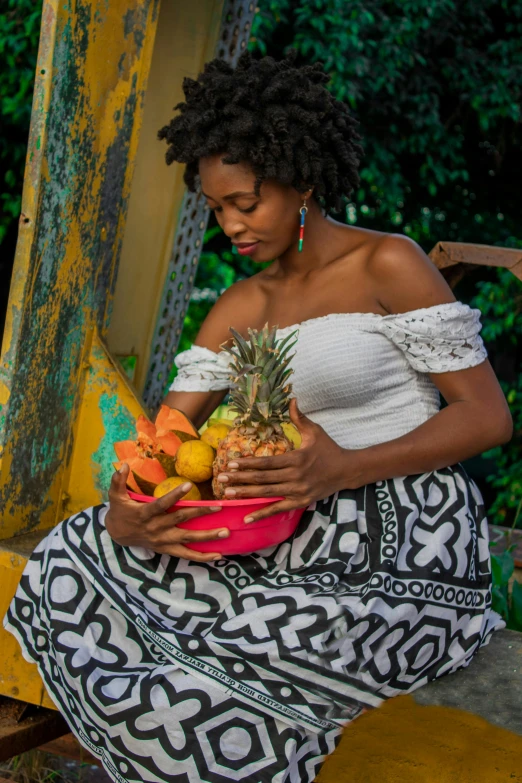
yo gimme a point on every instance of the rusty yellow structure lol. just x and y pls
(99, 215)
(106, 256)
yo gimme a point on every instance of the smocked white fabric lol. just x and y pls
(363, 377)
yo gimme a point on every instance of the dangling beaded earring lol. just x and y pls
(303, 211)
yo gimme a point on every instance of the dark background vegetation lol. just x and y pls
(436, 86)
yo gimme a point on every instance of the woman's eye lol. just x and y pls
(250, 209)
(215, 209)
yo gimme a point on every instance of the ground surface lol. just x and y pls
(68, 763)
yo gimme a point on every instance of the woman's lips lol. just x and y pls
(245, 249)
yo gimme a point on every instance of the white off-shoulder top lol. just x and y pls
(362, 376)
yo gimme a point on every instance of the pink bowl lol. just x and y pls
(244, 538)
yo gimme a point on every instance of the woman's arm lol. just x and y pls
(476, 419)
(238, 306)
(198, 406)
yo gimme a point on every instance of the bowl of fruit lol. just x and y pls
(244, 538)
(170, 451)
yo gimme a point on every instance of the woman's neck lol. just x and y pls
(319, 246)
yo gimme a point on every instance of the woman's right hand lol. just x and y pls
(130, 523)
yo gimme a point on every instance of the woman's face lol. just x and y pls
(262, 227)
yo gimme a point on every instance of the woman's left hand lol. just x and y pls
(316, 470)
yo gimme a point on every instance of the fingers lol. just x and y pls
(118, 487)
(161, 505)
(305, 426)
(266, 491)
(201, 535)
(257, 476)
(268, 511)
(184, 514)
(266, 463)
(178, 550)
(296, 414)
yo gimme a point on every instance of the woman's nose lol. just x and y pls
(232, 226)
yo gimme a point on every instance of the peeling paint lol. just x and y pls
(82, 145)
(132, 25)
(118, 424)
(4, 393)
(108, 414)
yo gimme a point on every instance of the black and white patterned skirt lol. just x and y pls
(247, 669)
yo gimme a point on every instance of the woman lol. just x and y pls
(180, 666)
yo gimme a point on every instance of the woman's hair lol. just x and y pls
(276, 117)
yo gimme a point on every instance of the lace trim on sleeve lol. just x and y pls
(200, 369)
(436, 339)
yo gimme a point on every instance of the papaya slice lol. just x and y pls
(152, 456)
(125, 450)
(173, 420)
(145, 427)
(168, 464)
(145, 487)
(147, 473)
(184, 436)
(170, 443)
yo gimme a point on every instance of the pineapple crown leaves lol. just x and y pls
(260, 388)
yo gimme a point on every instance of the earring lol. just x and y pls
(303, 211)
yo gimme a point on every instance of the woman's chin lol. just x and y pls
(265, 255)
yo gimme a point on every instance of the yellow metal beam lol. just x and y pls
(186, 38)
(92, 70)
(108, 413)
(19, 679)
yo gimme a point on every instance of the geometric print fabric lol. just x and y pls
(248, 668)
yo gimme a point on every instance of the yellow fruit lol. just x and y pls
(175, 481)
(292, 433)
(214, 434)
(194, 460)
(226, 422)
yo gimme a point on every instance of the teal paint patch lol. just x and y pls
(134, 23)
(75, 178)
(118, 424)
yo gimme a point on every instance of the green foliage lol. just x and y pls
(37, 766)
(19, 32)
(436, 87)
(501, 304)
(506, 591)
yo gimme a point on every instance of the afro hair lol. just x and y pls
(277, 117)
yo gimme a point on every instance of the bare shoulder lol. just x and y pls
(404, 277)
(236, 307)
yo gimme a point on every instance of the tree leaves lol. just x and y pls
(506, 598)
(19, 31)
(502, 567)
(436, 87)
(500, 302)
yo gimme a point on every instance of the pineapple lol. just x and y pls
(260, 394)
